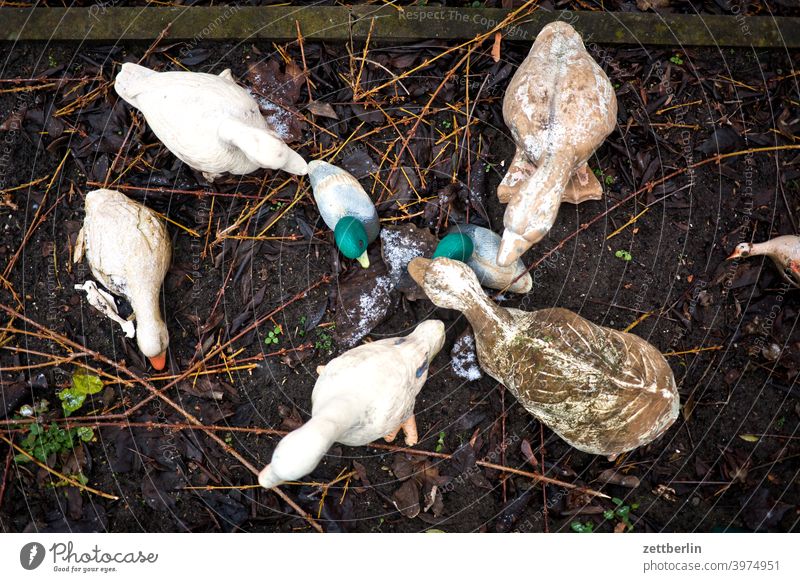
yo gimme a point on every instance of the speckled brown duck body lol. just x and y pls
(559, 106)
(603, 391)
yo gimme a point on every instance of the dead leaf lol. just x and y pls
(363, 302)
(401, 244)
(406, 499)
(319, 109)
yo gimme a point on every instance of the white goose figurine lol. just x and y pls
(208, 121)
(364, 394)
(129, 252)
(783, 250)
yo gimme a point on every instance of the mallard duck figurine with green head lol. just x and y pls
(603, 391)
(365, 394)
(477, 247)
(346, 208)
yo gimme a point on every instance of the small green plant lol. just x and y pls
(83, 385)
(609, 180)
(447, 124)
(301, 327)
(324, 340)
(440, 442)
(624, 255)
(579, 527)
(598, 172)
(41, 442)
(476, 4)
(621, 513)
(676, 60)
(273, 336)
(51, 60)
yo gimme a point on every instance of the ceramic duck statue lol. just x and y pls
(783, 250)
(208, 121)
(559, 107)
(129, 251)
(602, 391)
(345, 208)
(477, 247)
(364, 394)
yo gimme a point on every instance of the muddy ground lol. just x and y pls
(729, 463)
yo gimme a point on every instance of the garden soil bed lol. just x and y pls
(730, 329)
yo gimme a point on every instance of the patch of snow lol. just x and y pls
(278, 119)
(464, 361)
(373, 304)
(399, 250)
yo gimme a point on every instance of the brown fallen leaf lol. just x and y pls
(406, 499)
(363, 302)
(319, 109)
(401, 244)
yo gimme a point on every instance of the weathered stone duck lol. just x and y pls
(346, 208)
(364, 394)
(208, 121)
(129, 251)
(559, 106)
(783, 250)
(603, 391)
(477, 247)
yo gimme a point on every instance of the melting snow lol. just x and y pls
(464, 361)
(278, 119)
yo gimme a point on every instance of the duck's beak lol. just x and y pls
(734, 255)
(363, 260)
(159, 361)
(512, 247)
(417, 268)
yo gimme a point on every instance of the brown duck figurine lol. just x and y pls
(603, 391)
(783, 250)
(559, 106)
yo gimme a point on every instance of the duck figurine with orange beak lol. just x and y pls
(129, 251)
(783, 250)
(365, 394)
(559, 106)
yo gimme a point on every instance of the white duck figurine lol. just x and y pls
(477, 247)
(346, 208)
(208, 121)
(559, 107)
(602, 391)
(364, 394)
(129, 251)
(783, 250)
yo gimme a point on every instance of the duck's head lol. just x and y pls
(456, 246)
(432, 331)
(741, 250)
(351, 239)
(447, 283)
(126, 82)
(296, 456)
(153, 339)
